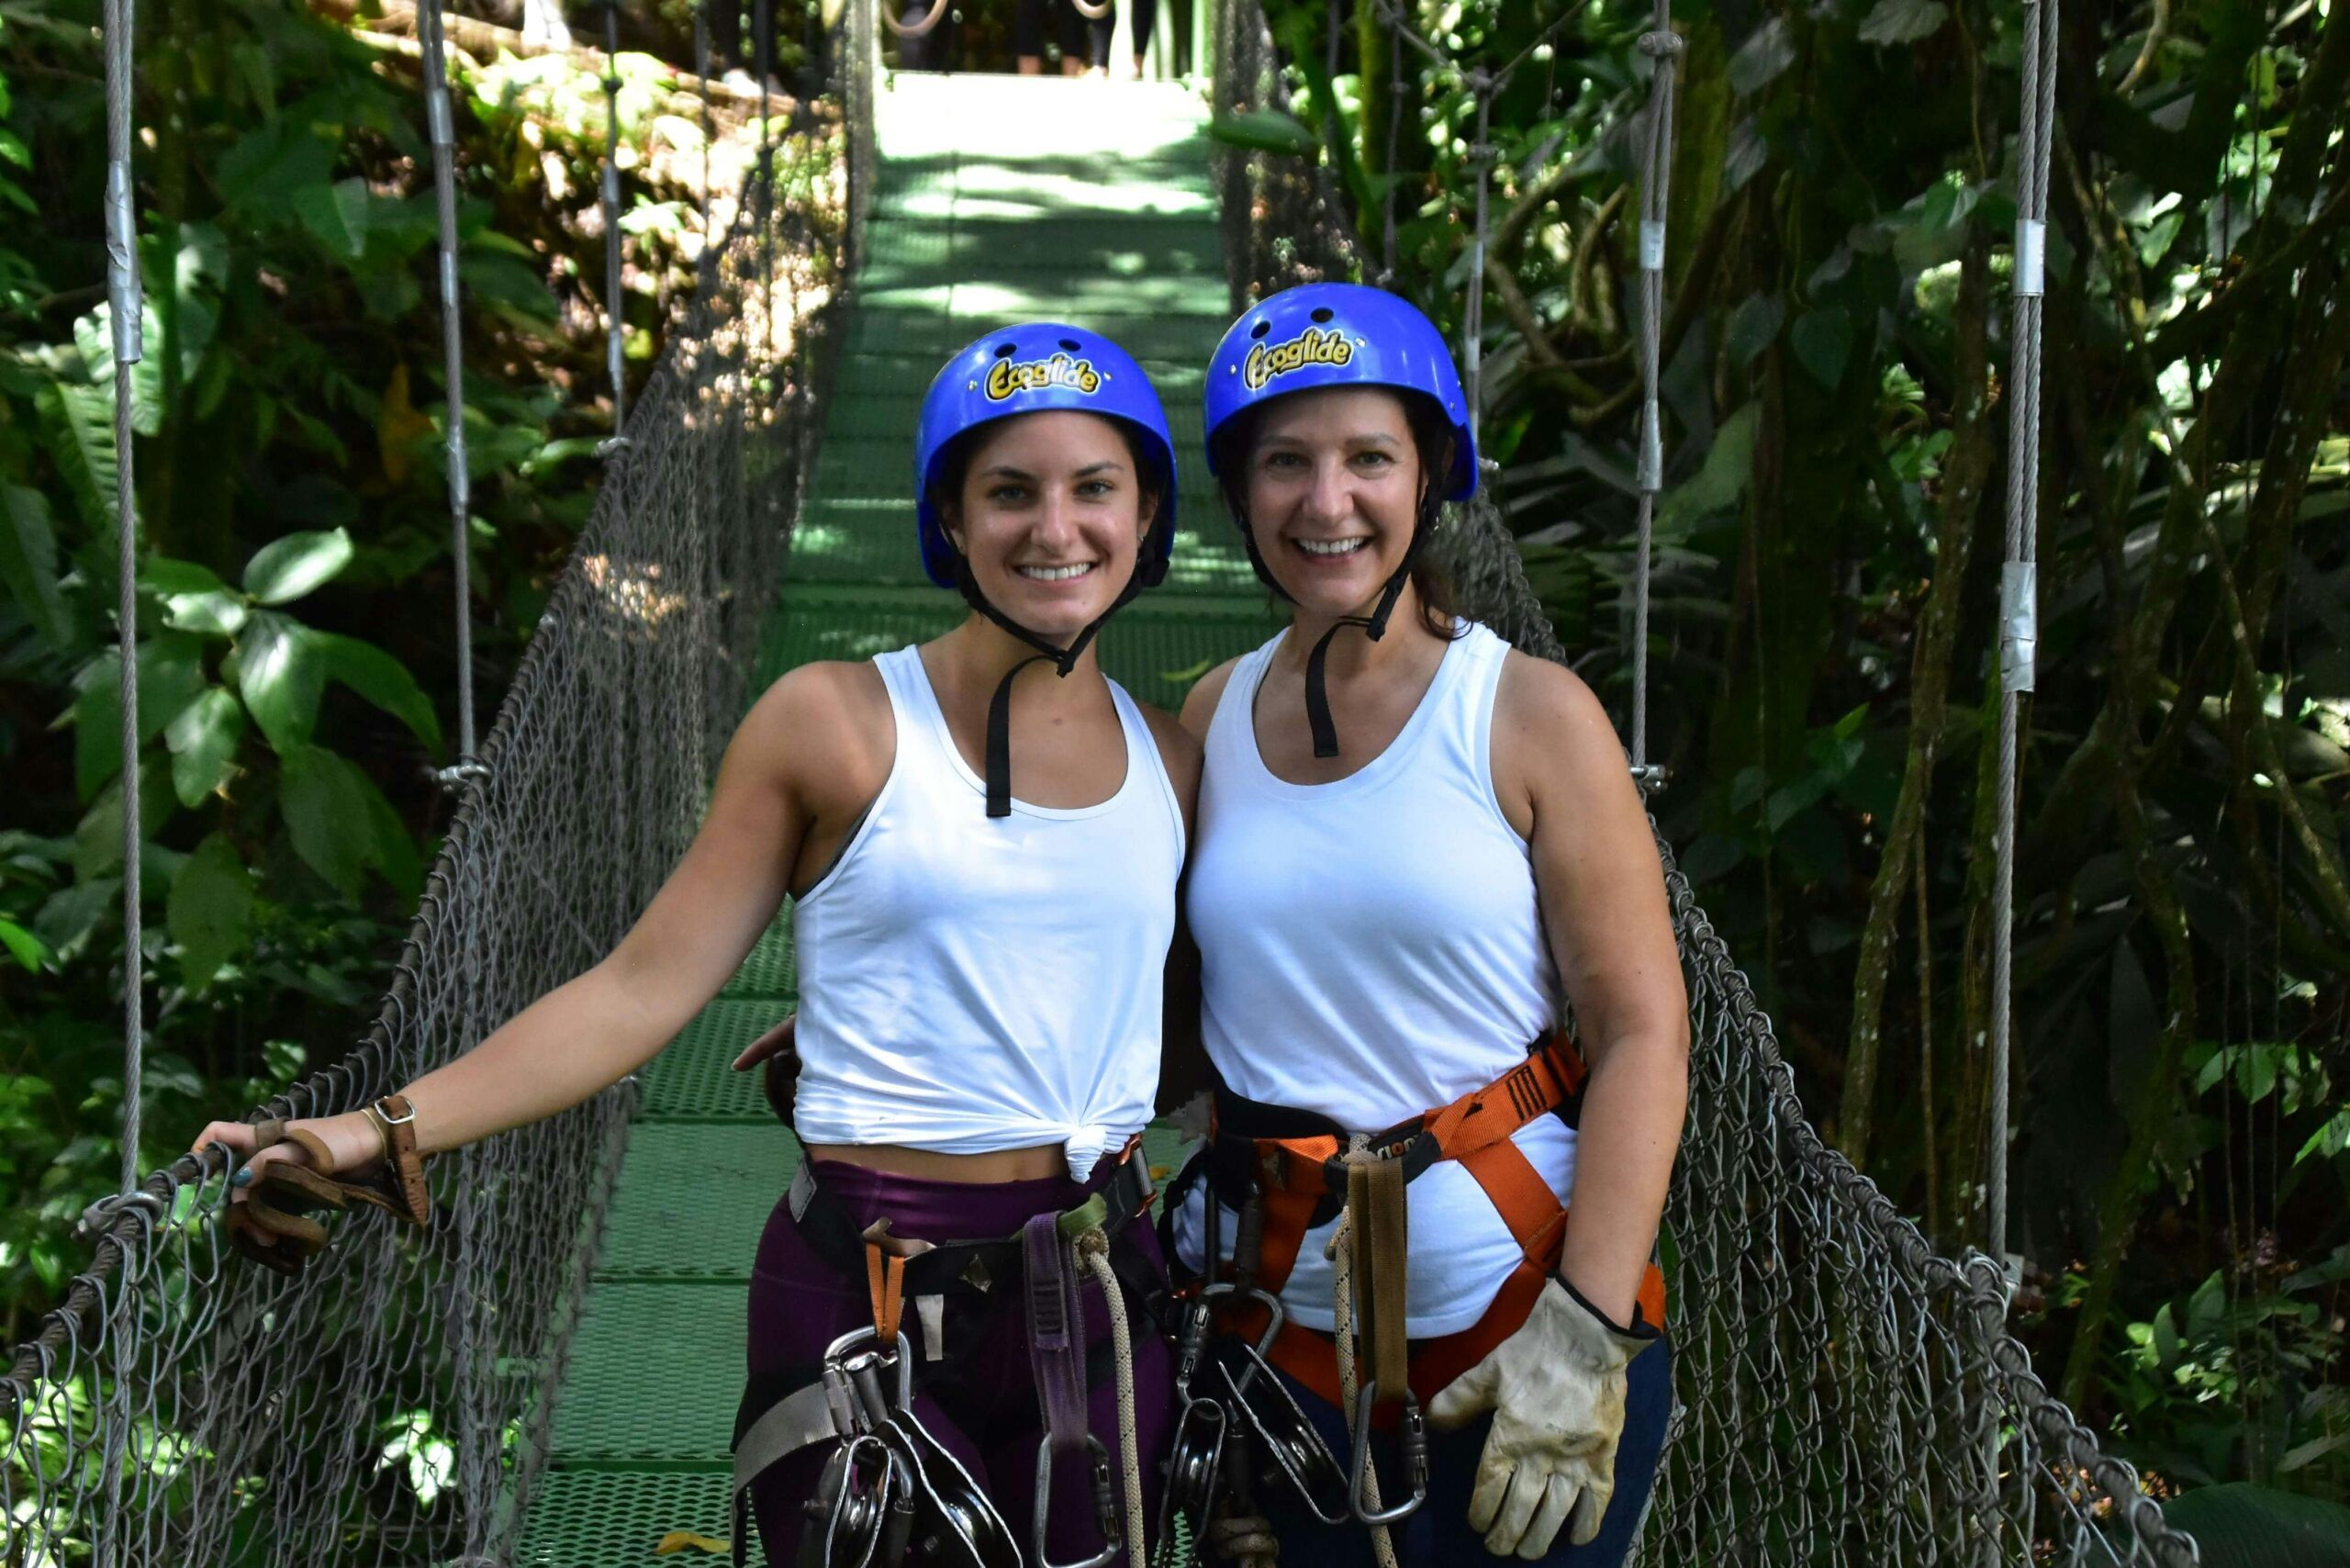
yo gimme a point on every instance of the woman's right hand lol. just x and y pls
(777, 1041)
(352, 1139)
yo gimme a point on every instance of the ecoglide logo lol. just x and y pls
(1312, 346)
(1036, 374)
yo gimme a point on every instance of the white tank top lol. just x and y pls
(969, 985)
(1372, 949)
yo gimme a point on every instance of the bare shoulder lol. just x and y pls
(1550, 730)
(823, 721)
(1199, 704)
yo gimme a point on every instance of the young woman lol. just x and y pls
(1414, 844)
(984, 894)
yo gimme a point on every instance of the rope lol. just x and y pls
(708, 126)
(1093, 1251)
(126, 307)
(2019, 587)
(1663, 45)
(1340, 1250)
(615, 327)
(452, 359)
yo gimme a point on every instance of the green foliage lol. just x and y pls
(1835, 385)
(292, 577)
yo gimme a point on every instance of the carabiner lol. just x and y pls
(1106, 1506)
(1411, 1435)
(860, 1376)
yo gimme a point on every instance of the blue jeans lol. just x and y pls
(1438, 1535)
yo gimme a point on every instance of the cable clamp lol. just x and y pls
(122, 267)
(2031, 256)
(456, 776)
(2018, 623)
(1651, 777)
(100, 1216)
(1664, 45)
(436, 115)
(1651, 244)
(1651, 475)
(615, 446)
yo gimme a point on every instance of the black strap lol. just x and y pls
(1374, 626)
(1064, 660)
(999, 757)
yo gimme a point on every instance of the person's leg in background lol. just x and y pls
(1145, 17)
(1028, 37)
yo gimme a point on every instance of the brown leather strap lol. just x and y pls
(1375, 1211)
(314, 1147)
(395, 1119)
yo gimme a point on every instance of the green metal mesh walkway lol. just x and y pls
(998, 199)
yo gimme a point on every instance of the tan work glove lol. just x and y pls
(1556, 1389)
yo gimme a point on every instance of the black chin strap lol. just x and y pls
(1063, 660)
(1374, 626)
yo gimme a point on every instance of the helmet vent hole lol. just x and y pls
(1005, 351)
(1260, 328)
(1322, 313)
(1072, 344)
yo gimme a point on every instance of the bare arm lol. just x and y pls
(1564, 783)
(596, 1028)
(1199, 703)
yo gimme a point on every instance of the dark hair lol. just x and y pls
(1432, 437)
(954, 463)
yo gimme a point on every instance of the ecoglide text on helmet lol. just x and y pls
(1312, 346)
(1035, 374)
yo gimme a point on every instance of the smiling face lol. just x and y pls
(1331, 487)
(1051, 514)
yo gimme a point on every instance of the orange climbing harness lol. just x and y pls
(1287, 1171)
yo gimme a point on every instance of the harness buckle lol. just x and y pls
(1410, 1436)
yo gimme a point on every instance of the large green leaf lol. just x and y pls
(1891, 22)
(203, 741)
(337, 214)
(211, 908)
(281, 676)
(331, 813)
(170, 675)
(29, 563)
(1822, 341)
(193, 600)
(285, 569)
(77, 421)
(93, 335)
(383, 681)
(2243, 1526)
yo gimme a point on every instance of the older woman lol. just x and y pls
(1413, 844)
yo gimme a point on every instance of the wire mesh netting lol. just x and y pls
(390, 1405)
(1843, 1394)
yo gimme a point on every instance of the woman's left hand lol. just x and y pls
(1556, 1390)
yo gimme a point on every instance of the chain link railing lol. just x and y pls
(390, 1407)
(1843, 1393)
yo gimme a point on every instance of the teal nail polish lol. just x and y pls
(244, 1177)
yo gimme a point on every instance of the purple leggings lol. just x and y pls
(981, 1402)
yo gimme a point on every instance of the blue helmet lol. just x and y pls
(1339, 334)
(1026, 369)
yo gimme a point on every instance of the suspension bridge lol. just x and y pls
(547, 1380)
